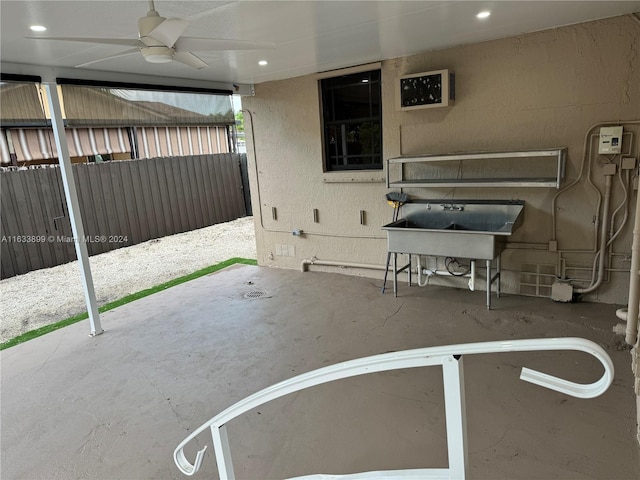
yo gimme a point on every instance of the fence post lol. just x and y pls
(246, 189)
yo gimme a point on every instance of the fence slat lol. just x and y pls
(205, 200)
(139, 199)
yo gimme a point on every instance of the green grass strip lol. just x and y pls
(122, 301)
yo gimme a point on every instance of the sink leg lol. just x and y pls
(489, 284)
(395, 274)
(409, 269)
(499, 277)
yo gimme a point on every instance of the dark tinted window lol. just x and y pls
(352, 121)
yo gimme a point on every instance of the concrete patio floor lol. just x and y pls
(115, 406)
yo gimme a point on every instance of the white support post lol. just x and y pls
(455, 412)
(73, 205)
(223, 452)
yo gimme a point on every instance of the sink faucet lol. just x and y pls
(451, 206)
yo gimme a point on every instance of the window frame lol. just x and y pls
(366, 169)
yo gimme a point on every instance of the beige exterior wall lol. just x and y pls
(540, 90)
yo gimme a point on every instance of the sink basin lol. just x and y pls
(457, 226)
(475, 229)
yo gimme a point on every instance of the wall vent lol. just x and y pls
(536, 279)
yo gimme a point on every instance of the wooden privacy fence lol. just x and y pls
(122, 203)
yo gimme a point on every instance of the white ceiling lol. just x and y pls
(311, 36)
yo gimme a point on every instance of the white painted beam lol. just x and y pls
(73, 206)
(49, 74)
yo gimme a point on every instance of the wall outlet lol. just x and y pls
(283, 250)
(553, 245)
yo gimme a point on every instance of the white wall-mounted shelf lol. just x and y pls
(558, 155)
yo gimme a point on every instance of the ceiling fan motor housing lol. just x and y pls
(155, 51)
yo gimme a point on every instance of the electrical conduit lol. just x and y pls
(604, 228)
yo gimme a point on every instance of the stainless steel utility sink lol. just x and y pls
(475, 229)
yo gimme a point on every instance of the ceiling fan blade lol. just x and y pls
(117, 55)
(169, 31)
(197, 44)
(190, 59)
(129, 42)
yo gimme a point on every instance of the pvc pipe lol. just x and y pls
(472, 279)
(330, 263)
(420, 284)
(471, 276)
(620, 328)
(449, 274)
(631, 336)
(603, 239)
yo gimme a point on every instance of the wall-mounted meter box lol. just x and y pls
(610, 140)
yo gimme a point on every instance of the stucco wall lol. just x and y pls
(533, 91)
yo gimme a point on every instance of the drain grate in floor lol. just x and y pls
(255, 294)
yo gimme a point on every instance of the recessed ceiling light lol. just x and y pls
(483, 14)
(37, 28)
(262, 62)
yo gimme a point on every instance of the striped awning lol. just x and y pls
(38, 143)
(180, 141)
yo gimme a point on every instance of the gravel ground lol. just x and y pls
(47, 296)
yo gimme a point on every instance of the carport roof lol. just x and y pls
(310, 36)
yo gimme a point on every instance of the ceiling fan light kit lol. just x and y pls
(157, 54)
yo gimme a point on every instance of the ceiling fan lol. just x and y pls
(160, 41)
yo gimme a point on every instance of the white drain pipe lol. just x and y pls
(630, 314)
(429, 273)
(330, 263)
